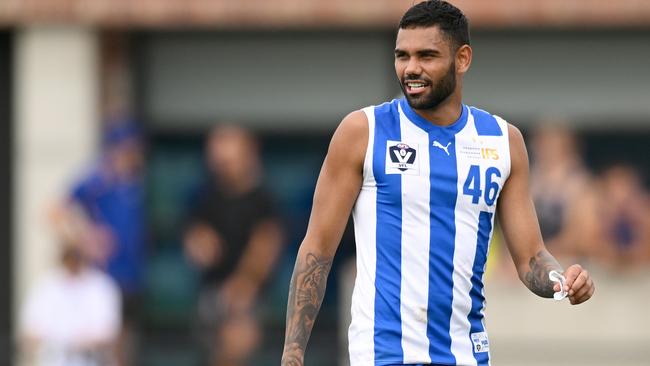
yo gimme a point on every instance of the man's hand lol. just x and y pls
(579, 284)
(203, 245)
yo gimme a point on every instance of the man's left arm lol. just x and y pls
(522, 234)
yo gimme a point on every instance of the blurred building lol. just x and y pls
(290, 70)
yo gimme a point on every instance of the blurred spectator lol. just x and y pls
(624, 212)
(72, 317)
(105, 217)
(234, 237)
(560, 187)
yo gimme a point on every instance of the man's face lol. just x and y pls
(127, 157)
(232, 155)
(425, 66)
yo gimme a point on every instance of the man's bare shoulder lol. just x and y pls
(354, 126)
(518, 153)
(514, 134)
(350, 139)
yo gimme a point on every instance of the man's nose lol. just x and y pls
(413, 67)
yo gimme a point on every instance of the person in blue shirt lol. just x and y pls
(111, 198)
(104, 214)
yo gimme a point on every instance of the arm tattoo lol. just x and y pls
(536, 279)
(306, 292)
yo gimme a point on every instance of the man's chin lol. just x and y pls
(420, 102)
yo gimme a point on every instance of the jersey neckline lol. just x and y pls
(428, 126)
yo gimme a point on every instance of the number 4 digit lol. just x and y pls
(472, 186)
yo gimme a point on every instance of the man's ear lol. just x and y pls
(463, 58)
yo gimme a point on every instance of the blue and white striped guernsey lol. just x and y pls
(423, 222)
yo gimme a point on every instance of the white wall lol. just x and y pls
(56, 122)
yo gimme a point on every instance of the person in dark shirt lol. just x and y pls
(233, 237)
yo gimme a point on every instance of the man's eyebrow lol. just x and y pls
(428, 51)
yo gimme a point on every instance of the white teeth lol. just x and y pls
(415, 85)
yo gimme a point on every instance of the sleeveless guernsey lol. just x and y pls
(423, 222)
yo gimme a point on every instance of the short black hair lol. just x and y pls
(450, 19)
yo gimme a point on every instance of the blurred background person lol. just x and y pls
(234, 237)
(624, 213)
(104, 217)
(560, 185)
(72, 315)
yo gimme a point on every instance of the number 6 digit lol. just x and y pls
(491, 187)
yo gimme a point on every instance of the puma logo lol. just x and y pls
(439, 145)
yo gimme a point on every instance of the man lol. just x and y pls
(423, 176)
(234, 237)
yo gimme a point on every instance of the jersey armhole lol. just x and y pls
(367, 161)
(503, 124)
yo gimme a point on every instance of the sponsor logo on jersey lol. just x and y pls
(442, 147)
(490, 154)
(481, 342)
(478, 153)
(402, 158)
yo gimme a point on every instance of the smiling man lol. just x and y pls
(423, 177)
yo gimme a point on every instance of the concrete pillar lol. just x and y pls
(55, 131)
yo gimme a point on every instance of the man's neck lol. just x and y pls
(445, 114)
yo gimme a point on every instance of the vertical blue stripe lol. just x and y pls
(388, 324)
(443, 194)
(476, 293)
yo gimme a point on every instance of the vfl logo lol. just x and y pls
(401, 158)
(439, 145)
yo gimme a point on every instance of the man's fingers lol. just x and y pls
(592, 290)
(572, 273)
(579, 300)
(584, 294)
(578, 283)
(582, 291)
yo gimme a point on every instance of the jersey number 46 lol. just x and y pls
(472, 186)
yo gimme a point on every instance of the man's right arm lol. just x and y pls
(336, 191)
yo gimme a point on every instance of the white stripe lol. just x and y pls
(415, 247)
(466, 221)
(483, 289)
(361, 331)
